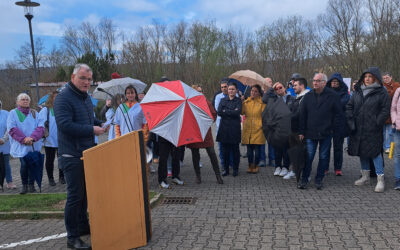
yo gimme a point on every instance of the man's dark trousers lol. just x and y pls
(165, 147)
(75, 214)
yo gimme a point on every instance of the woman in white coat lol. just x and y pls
(50, 142)
(5, 147)
(25, 129)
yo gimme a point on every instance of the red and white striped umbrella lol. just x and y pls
(177, 112)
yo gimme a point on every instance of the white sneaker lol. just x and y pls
(177, 181)
(164, 185)
(284, 172)
(289, 175)
(277, 171)
(152, 168)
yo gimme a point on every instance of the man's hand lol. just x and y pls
(98, 130)
(301, 137)
(1, 142)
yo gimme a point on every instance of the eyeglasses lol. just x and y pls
(318, 81)
(278, 88)
(82, 78)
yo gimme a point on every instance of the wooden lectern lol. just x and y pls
(117, 191)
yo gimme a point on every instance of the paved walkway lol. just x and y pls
(254, 212)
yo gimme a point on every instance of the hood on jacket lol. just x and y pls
(342, 86)
(303, 93)
(372, 70)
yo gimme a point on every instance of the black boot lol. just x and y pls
(198, 178)
(32, 188)
(24, 189)
(219, 179)
(62, 180)
(52, 182)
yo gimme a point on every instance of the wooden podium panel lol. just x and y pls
(117, 191)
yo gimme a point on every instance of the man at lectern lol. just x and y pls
(77, 127)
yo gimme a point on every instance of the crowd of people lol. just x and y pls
(273, 117)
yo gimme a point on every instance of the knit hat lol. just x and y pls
(295, 76)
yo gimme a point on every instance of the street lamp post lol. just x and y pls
(28, 8)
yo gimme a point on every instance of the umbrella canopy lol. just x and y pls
(248, 77)
(177, 112)
(117, 86)
(35, 162)
(2, 171)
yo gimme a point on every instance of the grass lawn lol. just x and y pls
(36, 202)
(31, 202)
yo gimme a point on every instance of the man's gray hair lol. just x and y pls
(324, 76)
(80, 66)
(22, 96)
(386, 74)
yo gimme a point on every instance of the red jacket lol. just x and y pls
(208, 140)
(391, 88)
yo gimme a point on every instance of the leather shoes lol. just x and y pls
(302, 185)
(318, 185)
(77, 243)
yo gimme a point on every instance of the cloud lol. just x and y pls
(136, 5)
(255, 13)
(49, 29)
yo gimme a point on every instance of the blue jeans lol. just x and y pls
(26, 175)
(387, 136)
(253, 153)
(221, 155)
(8, 168)
(378, 163)
(271, 154)
(75, 214)
(397, 155)
(324, 148)
(263, 156)
(231, 150)
(337, 153)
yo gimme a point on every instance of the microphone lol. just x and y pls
(102, 90)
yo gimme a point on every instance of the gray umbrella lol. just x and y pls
(117, 86)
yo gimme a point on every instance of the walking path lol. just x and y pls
(252, 211)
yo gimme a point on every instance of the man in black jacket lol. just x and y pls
(319, 113)
(77, 127)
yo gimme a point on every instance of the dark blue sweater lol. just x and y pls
(75, 119)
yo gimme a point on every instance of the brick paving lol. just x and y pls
(251, 211)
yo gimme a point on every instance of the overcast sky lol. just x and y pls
(52, 16)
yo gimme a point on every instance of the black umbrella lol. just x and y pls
(35, 161)
(2, 171)
(276, 123)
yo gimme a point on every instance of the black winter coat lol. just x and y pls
(295, 109)
(319, 114)
(343, 92)
(366, 117)
(229, 128)
(75, 119)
